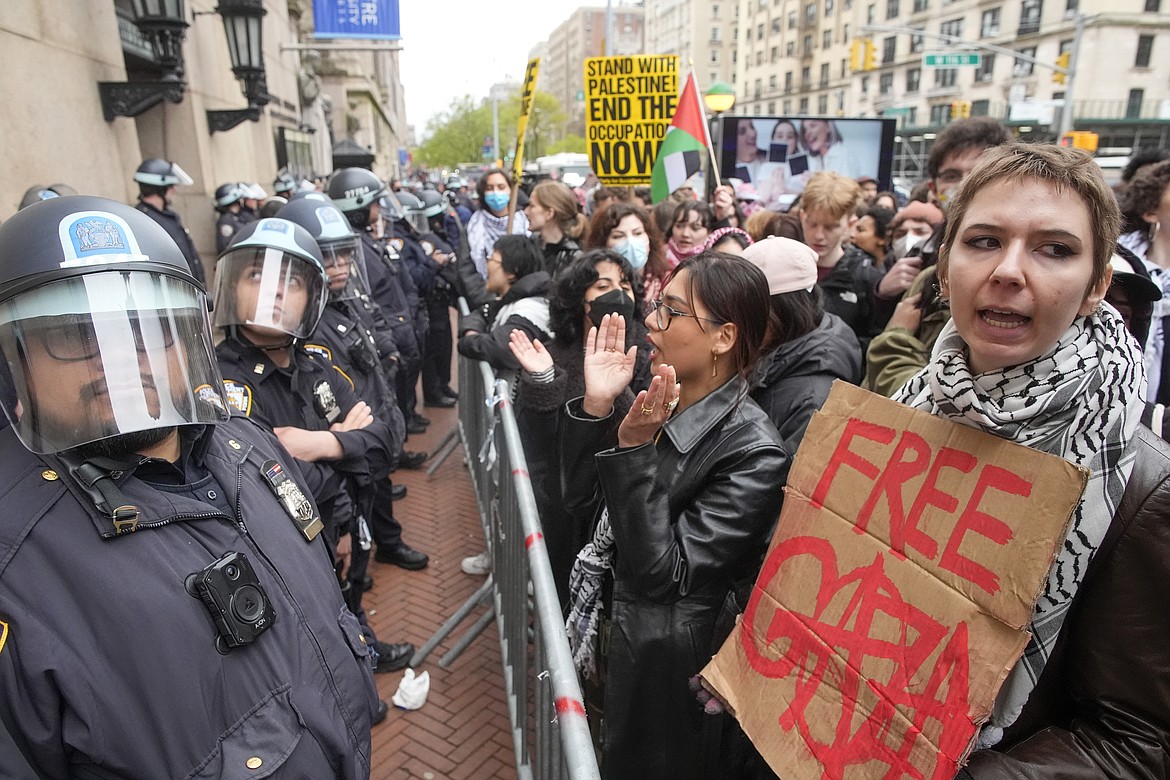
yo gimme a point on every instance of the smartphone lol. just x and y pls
(778, 153)
(742, 173)
(798, 164)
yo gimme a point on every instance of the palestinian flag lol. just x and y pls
(681, 154)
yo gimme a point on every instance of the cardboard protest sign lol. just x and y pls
(896, 593)
(628, 105)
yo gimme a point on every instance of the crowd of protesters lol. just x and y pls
(666, 360)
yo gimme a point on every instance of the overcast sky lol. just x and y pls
(452, 48)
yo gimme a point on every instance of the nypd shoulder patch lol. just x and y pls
(320, 350)
(239, 396)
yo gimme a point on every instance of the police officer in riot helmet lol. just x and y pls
(39, 192)
(150, 533)
(229, 203)
(157, 180)
(284, 184)
(428, 218)
(348, 334)
(359, 194)
(271, 290)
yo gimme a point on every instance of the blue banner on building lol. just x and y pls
(371, 19)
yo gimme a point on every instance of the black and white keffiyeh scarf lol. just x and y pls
(1081, 401)
(484, 229)
(586, 583)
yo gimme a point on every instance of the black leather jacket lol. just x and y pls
(691, 516)
(1102, 706)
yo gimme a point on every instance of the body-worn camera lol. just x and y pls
(233, 595)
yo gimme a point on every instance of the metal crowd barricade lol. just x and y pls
(549, 730)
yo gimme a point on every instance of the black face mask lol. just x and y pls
(613, 302)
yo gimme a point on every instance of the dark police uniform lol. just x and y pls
(439, 297)
(226, 227)
(392, 288)
(109, 668)
(171, 223)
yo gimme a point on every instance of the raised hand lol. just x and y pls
(530, 354)
(608, 369)
(651, 409)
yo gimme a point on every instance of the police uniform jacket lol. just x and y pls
(228, 224)
(109, 668)
(171, 223)
(387, 291)
(312, 393)
(350, 345)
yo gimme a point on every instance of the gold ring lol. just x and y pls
(647, 411)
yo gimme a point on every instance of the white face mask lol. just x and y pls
(903, 245)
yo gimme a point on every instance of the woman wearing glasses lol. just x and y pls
(688, 497)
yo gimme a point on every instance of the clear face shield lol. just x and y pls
(267, 291)
(345, 268)
(105, 354)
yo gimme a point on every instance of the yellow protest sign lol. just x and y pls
(629, 102)
(525, 112)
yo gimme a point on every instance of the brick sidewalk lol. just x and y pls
(463, 731)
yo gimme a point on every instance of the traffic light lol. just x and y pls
(856, 55)
(960, 109)
(1080, 139)
(870, 54)
(1059, 76)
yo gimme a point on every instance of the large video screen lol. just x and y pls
(777, 155)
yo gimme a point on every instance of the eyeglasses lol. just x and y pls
(77, 339)
(664, 314)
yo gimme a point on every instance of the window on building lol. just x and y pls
(1070, 6)
(1144, 49)
(775, 54)
(921, 5)
(805, 78)
(759, 32)
(885, 84)
(792, 20)
(865, 85)
(891, 9)
(772, 82)
(870, 14)
(889, 48)
(844, 69)
(1021, 68)
(772, 107)
(917, 42)
(823, 104)
(913, 77)
(910, 118)
(714, 56)
(825, 74)
(715, 11)
(787, 106)
(1133, 105)
(759, 88)
(980, 108)
(716, 34)
(1029, 17)
(810, 13)
(1153, 6)
(790, 49)
(826, 39)
(989, 24)
(940, 115)
(788, 82)
(714, 78)
(945, 77)
(986, 66)
(759, 58)
(776, 25)
(828, 8)
(804, 105)
(953, 28)
(808, 45)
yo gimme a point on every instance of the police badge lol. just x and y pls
(295, 504)
(326, 402)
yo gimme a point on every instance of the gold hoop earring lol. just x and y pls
(714, 364)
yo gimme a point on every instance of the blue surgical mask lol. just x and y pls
(497, 201)
(637, 251)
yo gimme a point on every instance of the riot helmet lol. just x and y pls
(414, 211)
(284, 184)
(103, 329)
(341, 247)
(159, 173)
(253, 191)
(271, 206)
(354, 190)
(226, 195)
(270, 280)
(39, 192)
